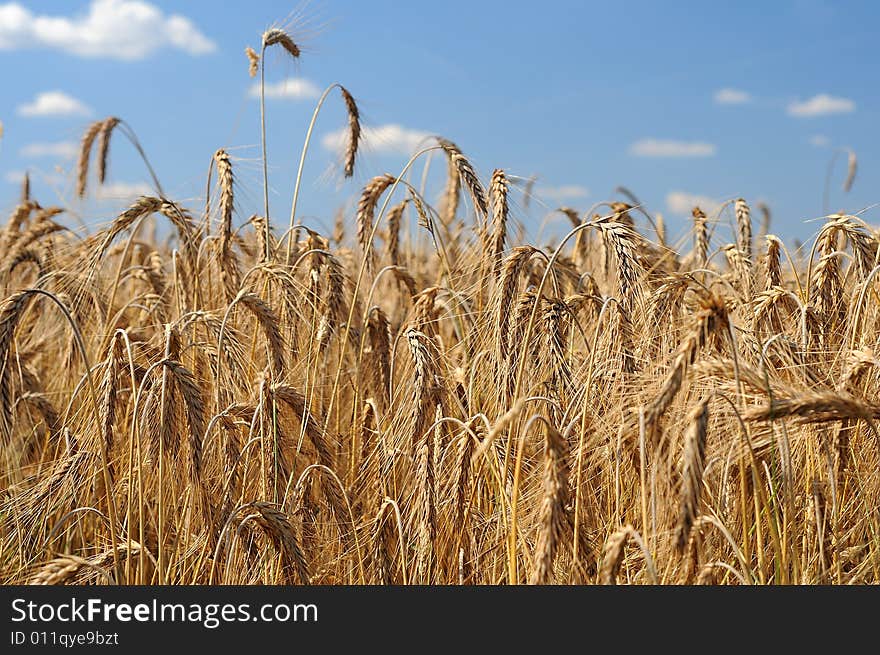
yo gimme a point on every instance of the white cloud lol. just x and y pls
(728, 96)
(14, 177)
(681, 203)
(59, 149)
(116, 29)
(560, 193)
(821, 105)
(293, 89)
(670, 148)
(820, 140)
(122, 191)
(387, 139)
(51, 178)
(54, 103)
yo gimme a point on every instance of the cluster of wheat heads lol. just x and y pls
(430, 401)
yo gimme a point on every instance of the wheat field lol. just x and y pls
(422, 397)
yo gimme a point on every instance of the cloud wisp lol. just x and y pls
(290, 89)
(58, 149)
(563, 192)
(383, 139)
(122, 190)
(728, 96)
(14, 177)
(112, 29)
(821, 105)
(54, 103)
(681, 203)
(670, 148)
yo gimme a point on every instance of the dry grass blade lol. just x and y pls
(379, 334)
(468, 175)
(498, 193)
(269, 323)
(227, 258)
(613, 555)
(513, 268)
(816, 407)
(194, 405)
(334, 312)
(852, 163)
(354, 131)
(701, 238)
(227, 193)
(104, 146)
(426, 512)
(277, 528)
(624, 242)
(10, 312)
(692, 472)
(711, 319)
(392, 242)
(65, 568)
(772, 269)
(554, 499)
(85, 152)
(366, 212)
(744, 229)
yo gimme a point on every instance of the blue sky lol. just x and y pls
(675, 100)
